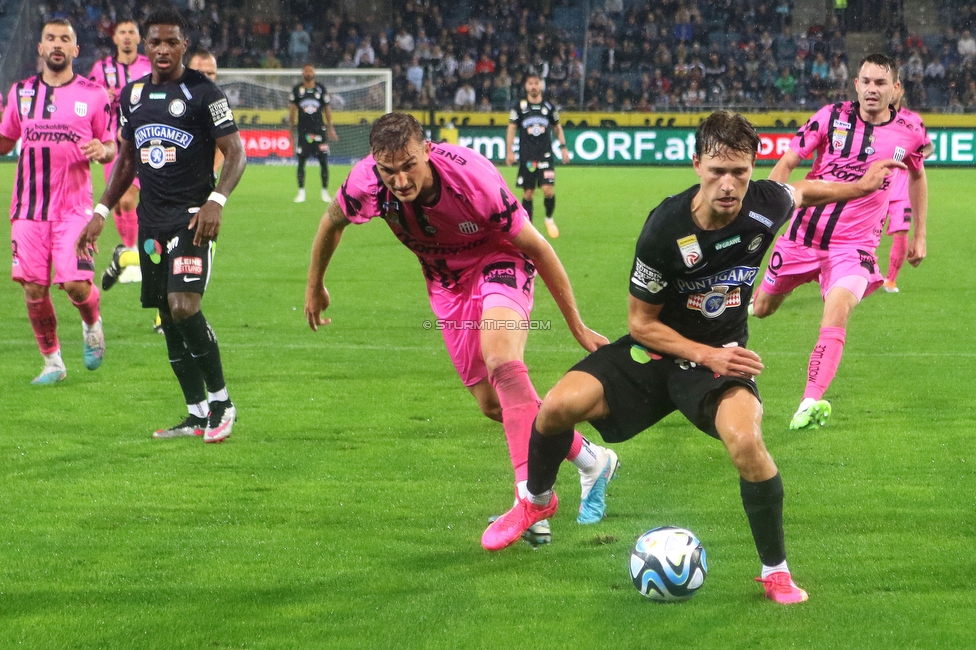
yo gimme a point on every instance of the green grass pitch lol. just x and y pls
(347, 508)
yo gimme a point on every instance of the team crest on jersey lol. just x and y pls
(691, 252)
(156, 155)
(714, 303)
(81, 109)
(755, 243)
(838, 139)
(25, 104)
(177, 108)
(468, 227)
(136, 93)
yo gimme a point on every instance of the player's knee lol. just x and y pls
(558, 413)
(763, 306)
(492, 411)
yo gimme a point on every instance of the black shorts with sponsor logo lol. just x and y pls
(642, 387)
(534, 173)
(170, 263)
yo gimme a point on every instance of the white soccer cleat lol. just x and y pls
(94, 345)
(53, 371)
(325, 196)
(221, 421)
(301, 196)
(593, 485)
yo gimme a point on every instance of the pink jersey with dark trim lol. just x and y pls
(53, 181)
(112, 75)
(899, 179)
(846, 146)
(476, 214)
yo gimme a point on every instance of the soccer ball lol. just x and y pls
(668, 564)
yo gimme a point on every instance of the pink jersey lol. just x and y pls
(53, 180)
(475, 216)
(899, 180)
(846, 146)
(113, 76)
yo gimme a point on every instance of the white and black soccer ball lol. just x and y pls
(668, 564)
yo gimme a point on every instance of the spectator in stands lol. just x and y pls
(694, 97)
(935, 77)
(966, 47)
(785, 85)
(298, 44)
(415, 73)
(838, 76)
(784, 47)
(465, 98)
(365, 55)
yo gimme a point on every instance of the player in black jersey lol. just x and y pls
(536, 120)
(310, 104)
(697, 260)
(171, 123)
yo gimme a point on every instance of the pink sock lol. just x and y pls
(824, 361)
(520, 405)
(45, 324)
(127, 224)
(899, 249)
(89, 308)
(576, 447)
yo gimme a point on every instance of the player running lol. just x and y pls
(697, 258)
(899, 205)
(310, 105)
(172, 121)
(479, 254)
(834, 245)
(63, 122)
(536, 120)
(112, 73)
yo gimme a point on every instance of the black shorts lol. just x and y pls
(311, 144)
(536, 172)
(642, 387)
(170, 263)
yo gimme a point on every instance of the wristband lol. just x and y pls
(102, 210)
(218, 198)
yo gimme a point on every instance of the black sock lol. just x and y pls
(763, 503)
(546, 453)
(301, 172)
(324, 171)
(184, 366)
(550, 203)
(202, 343)
(527, 204)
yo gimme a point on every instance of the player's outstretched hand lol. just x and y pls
(316, 301)
(734, 362)
(565, 155)
(591, 340)
(87, 245)
(879, 170)
(205, 224)
(94, 150)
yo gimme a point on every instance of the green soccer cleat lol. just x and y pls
(811, 414)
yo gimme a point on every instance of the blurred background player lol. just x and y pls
(309, 105)
(113, 73)
(536, 120)
(834, 245)
(899, 206)
(171, 124)
(203, 61)
(479, 254)
(68, 118)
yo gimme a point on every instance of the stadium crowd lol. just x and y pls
(643, 56)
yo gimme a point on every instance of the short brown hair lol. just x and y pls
(393, 132)
(726, 130)
(883, 61)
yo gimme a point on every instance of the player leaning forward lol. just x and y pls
(63, 122)
(834, 245)
(171, 123)
(697, 258)
(479, 254)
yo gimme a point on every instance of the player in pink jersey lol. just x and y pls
(113, 73)
(479, 254)
(835, 244)
(62, 121)
(899, 206)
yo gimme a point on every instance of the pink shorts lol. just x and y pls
(793, 264)
(503, 280)
(40, 245)
(899, 216)
(108, 174)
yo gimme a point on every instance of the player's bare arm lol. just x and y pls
(781, 172)
(329, 129)
(317, 300)
(206, 223)
(918, 196)
(551, 270)
(648, 330)
(812, 193)
(123, 173)
(6, 145)
(98, 151)
(561, 136)
(510, 145)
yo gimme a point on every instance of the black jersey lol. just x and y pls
(174, 127)
(535, 123)
(704, 278)
(311, 103)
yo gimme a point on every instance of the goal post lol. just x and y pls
(261, 99)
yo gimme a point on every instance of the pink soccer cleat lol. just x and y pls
(508, 529)
(781, 589)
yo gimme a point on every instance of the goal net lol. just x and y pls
(261, 100)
